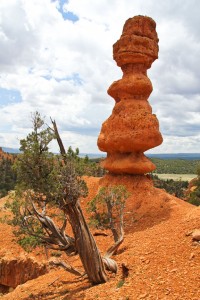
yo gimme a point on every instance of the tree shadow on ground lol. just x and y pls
(77, 292)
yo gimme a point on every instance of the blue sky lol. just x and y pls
(56, 58)
(8, 96)
(67, 15)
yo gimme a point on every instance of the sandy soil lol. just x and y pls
(161, 258)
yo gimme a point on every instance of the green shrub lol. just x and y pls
(171, 186)
(194, 197)
(120, 283)
(107, 208)
(29, 242)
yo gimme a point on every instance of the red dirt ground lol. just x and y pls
(162, 260)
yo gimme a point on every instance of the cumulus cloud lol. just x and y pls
(57, 57)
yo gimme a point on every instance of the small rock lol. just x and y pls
(167, 292)
(142, 258)
(142, 296)
(196, 235)
(173, 270)
(188, 233)
(191, 256)
(147, 261)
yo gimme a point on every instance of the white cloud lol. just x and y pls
(63, 68)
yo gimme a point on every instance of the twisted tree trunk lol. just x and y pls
(86, 245)
(84, 241)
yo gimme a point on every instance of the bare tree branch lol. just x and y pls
(59, 140)
(112, 250)
(67, 267)
(55, 236)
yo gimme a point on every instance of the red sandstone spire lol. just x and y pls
(132, 128)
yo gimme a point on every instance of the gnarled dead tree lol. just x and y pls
(47, 181)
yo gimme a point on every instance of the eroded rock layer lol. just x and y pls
(132, 128)
(15, 271)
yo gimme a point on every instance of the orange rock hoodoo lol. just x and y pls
(132, 128)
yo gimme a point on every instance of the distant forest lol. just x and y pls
(92, 167)
(176, 166)
(7, 176)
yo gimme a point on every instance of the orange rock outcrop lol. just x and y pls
(4, 155)
(132, 128)
(15, 271)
